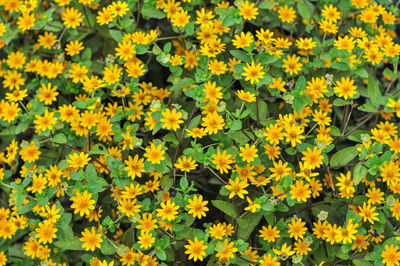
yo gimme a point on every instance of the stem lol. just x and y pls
(220, 178)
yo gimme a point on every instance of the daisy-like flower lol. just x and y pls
(71, 17)
(391, 255)
(47, 94)
(297, 228)
(78, 160)
(253, 72)
(73, 47)
(38, 183)
(222, 161)
(171, 119)
(154, 154)
(286, 14)
(246, 96)
(312, 158)
(269, 233)
(367, 212)
(91, 239)
(248, 153)
(146, 240)
(47, 121)
(186, 164)
(82, 203)
(212, 123)
(197, 207)
(196, 249)
(46, 232)
(134, 166)
(248, 10)
(291, 64)
(300, 191)
(168, 210)
(237, 187)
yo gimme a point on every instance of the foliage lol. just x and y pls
(144, 132)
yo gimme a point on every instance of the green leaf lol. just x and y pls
(163, 242)
(99, 149)
(267, 4)
(72, 244)
(27, 207)
(374, 93)
(86, 55)
(340, 102)
(305, 9)
(249, 223)
(235, 126)
(116, 35)
(182, 84)
(242, 56)
(343, 156)
(23, 125)
(301, 83)
(359, 173)
(113, 163)
(59, 138)
(225, 206)
(161, 254)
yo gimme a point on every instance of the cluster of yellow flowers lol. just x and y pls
(161, 132)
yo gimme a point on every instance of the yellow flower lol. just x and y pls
(73, 47)
(135, 166)
(217, 67)
(291, 64)
(196, 249)
(297, 228)
(391, 255)
(71, 17)
(345, 88)
(78, 160)
(47, 121)
(367, 213)
(47, 94)
(197, 207)
(285, 251)
(253, 72)
(186, 164)
(147, 223)
(91, 239)
(312, 158)
(248, 153)
(269, 233)
(82, 202)
(345, 43)
(171, 119)
(168, 210)
(330, 13)
(180, 18)
(154, 154)
(146, 240)
(46, 232)
(248, 10)
(237, 187)
(222, 161)
(30, 153)
(300, 191)
(38, 183)
(212, 123)
(246, 96)
(286, 14)
(227, 252)
(242, 40)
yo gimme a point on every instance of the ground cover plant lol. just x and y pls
(193, 132)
